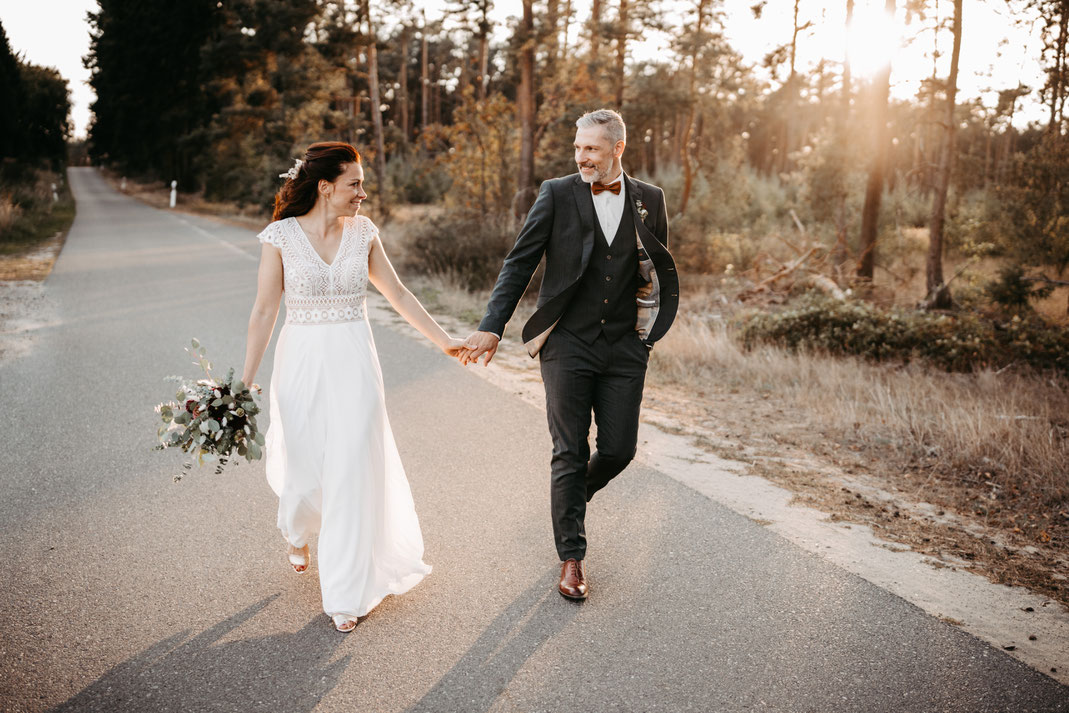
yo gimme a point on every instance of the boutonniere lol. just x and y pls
(642, 212)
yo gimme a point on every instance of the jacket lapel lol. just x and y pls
(634, 199)
(584, 202)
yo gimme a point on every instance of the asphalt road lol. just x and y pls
(123, 591)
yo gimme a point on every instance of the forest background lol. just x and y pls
(890, 271)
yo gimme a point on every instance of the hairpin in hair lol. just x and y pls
(292, 173)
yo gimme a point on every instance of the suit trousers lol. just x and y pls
(604, 378)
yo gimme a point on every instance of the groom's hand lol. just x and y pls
(480, 343)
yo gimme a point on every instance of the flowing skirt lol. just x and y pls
(332, 461)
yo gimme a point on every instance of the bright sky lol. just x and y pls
(994, 54)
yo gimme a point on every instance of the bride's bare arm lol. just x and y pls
(386, 281)
(264, 310)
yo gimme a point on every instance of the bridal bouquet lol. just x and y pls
(213, 420)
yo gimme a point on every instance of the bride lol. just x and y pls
(331, 456)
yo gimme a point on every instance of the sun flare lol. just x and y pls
(872, 39)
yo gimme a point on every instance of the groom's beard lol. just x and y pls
(598, 176)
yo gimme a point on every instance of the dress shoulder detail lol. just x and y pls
(272, 234)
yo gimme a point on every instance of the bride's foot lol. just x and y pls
(344, 622)
(298, 558)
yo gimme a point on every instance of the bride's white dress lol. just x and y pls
(330, 453)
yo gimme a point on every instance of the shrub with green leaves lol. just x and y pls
(955, 342)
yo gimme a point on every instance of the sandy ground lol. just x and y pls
(24, 305)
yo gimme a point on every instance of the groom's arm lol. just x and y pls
(520, 263)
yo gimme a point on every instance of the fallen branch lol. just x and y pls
(827, 286)
(767, 283)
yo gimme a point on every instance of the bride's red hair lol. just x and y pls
(323, 161)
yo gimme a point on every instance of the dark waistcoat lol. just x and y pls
(605, 298)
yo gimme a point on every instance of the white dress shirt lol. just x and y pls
(610, 207)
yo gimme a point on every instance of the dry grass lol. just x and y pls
(993, 448)
(9, 213)
(1011, 429)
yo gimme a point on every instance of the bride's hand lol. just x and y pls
(454, 347)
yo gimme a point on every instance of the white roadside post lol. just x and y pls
(174, 193)
(122, 186)
(55, 194)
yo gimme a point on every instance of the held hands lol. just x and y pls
(478, 344)
(454, 347)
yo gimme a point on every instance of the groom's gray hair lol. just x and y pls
(610, 122)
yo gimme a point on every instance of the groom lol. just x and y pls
(609, 292)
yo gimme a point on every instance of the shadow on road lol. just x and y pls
(284, 672)
(485, 670)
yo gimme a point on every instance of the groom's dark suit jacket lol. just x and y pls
(560, 225)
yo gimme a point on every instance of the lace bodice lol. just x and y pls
(315, 292)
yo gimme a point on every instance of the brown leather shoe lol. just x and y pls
(572, 580)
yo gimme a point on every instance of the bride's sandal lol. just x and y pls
(344, 622)
(298, 558)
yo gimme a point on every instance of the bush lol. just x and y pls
(28, 214)
(468, 251)
(953, 342)
(416, 179)
(1014, 292)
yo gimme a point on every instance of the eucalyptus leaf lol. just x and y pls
(254, 451)
(260, 438)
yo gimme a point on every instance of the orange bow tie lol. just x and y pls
(599, 187)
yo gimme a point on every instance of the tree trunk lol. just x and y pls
(847, 79)
(595, 28)
(553, 31)
(839, 251)
(484, 79)
(684, 140)
(403, 81)
(938, 293)
(1060, 68)
(376, 113)
(621, 52)
(870, 213)
(424, 81)
(567, 26)
(525, 101)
